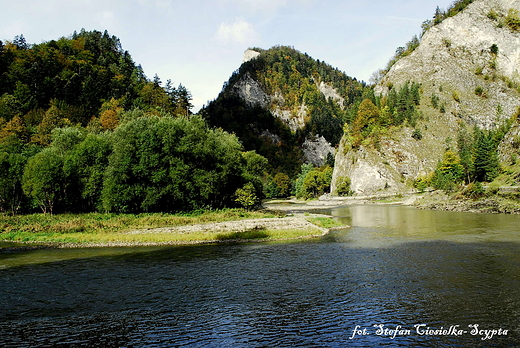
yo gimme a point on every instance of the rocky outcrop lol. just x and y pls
(330, 93)
(249, 90)
(316, 149)
(470, 64)
(250, 54)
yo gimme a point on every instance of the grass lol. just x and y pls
(325, 222)
(113, 229)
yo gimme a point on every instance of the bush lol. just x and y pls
(422, 183)
(314, 182)
(474, 190)
(247, 197)
(513, 20)
(417, 135)
(343, 186)
(456, 96)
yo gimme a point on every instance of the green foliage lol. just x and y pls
(403, 51)
(43, 179)
(84, 167)
(449, 172)
(231, 113)
(294, 79)
(465, 145)
(435, 101)
(455, 8)
(422, 183)
(480, 91)
(343, 186)
(417, 134)
(367, 118)
(247, 197)
(455, 95)
(474, 190)
(486, 164)
(11, 171)
(313, 182)
(70, 80)
(493, 15)
(402, 104)
(513, 19)
(167, 164)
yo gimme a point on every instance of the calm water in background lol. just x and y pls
(396, 266)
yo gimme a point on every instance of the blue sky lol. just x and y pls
(199, 43)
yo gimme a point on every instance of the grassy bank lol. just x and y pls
(146, 229)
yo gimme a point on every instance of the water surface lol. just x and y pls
(396, 266)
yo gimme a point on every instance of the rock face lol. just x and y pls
(250, 54)
(470, 63)
(470, 50)
(315, 148)
(249, 90)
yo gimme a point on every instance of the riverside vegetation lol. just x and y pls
(95, 229)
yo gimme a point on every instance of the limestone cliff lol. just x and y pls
(468, 67)
(281, 91)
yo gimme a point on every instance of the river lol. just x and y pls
(398, 277)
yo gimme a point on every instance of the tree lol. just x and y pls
(11, 172)
(84, 168)
(43, 179)
(246, 196)
(172, 164)
(486, 164)
(449, 172)
(367, 117)
(283, 183)
(110, 114)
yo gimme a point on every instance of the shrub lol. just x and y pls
(513, 20)
(480, 91)
(474, 190)
(456, 96)
(417, 135)
(247, 197)
(422, 182)
(343, 186)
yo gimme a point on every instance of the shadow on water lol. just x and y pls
(307, 294)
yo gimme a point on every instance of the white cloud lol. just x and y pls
(239, 32)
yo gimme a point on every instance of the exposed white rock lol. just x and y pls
(330, 92)
(249, 90)
(316, 149)
(452, 60)
(455, 57)
(250, 54)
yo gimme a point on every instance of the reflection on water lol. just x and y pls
(395, 266)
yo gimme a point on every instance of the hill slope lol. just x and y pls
(467, 67)
(287, 106)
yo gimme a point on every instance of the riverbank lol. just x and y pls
(505, 203)
(105, 230)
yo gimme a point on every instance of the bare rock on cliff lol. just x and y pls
(469, 63)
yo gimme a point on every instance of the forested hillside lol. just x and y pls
(286, 106)
(83, 129)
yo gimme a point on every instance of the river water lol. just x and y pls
(399, 277)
